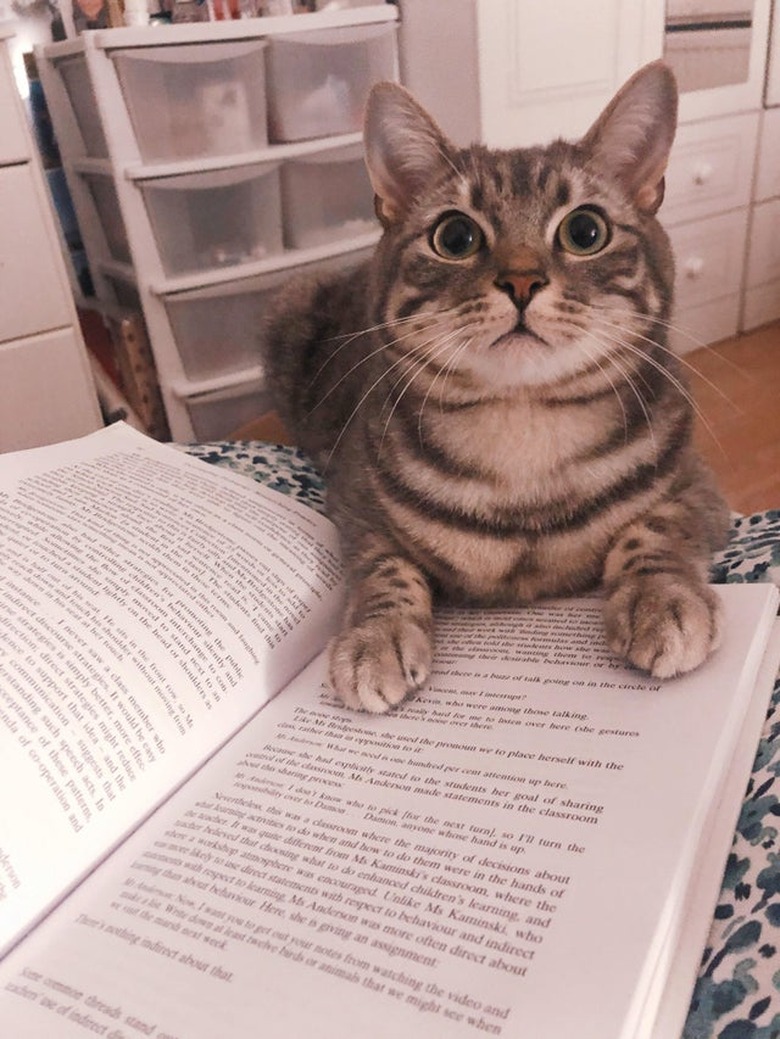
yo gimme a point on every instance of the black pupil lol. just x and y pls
(584, 230)
(457, 236)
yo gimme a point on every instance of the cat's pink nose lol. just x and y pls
(521, 286)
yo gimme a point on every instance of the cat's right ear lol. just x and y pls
(405, 150)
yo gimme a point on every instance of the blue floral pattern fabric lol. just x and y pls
(737, 994)
(284, 469)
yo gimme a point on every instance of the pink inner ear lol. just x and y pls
(633, 136)
(405, 149)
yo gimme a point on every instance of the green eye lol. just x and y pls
(583, 232)
(456, 237)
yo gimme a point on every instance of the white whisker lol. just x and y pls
(438, 347)
(404, 359)
(595, 359)
(349, 337)
(672, 379)
(672, 353)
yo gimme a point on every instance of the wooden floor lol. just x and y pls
(736, 385)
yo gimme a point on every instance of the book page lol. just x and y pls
(698, 897)
(511, 835)
(149, 605)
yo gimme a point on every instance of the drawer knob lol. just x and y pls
(693, 268)
(702, 173)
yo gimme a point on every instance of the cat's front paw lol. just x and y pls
(375, 665)
(662, 625)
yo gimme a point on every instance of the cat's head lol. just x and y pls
(523, 266)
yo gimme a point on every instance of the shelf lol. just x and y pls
(189, 389)
(240, 29)
(123, 271)
(101, 167)
(271, 153)
(278, 262)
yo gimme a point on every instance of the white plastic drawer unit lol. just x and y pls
(326, 196)
(217, 328)
(101, 188)
(194, 100)
(318, 82)
(75, 76)
(203, 221)
(216, 415)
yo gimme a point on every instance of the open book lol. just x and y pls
(198, 842)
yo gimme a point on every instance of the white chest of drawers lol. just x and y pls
(46, 388)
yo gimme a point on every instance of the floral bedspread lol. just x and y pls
(737, 994)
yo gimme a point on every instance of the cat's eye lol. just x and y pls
(583, 232)
(456, 237)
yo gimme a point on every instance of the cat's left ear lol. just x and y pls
(633, 136)
(405, 150)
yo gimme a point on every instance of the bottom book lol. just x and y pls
(198, 841)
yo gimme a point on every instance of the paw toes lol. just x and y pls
(662, 629)
(375, 667)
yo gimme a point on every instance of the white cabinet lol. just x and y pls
(186, 149)
(711, 168)
(762, 288)
(709, 255)
(46, 388)
(14, 145)
(706, 212)
(762, 292)
(772, 93)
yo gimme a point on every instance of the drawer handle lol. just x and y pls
(702, 173)
(694, 267)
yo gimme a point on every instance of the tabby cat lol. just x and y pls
(491, 398)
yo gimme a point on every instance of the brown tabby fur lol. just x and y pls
(508, 424)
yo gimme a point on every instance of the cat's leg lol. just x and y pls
(384, 650)
(659, 612)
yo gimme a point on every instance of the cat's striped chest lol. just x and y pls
(508, 503)
(526, 452)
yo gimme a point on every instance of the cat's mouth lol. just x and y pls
(520, 331)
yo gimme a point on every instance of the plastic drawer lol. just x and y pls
(318, 82)
(206, 220)
(75, 76)
(216, 329)
(326, 196)
(101, 188)
(216, 415)
(195, 100)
